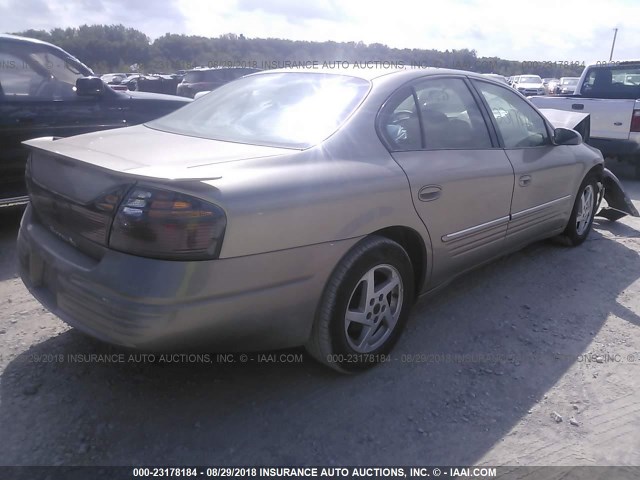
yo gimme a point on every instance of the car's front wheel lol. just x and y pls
(584, 209)
(364, 306)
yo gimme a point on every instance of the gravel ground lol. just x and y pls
(532, 360)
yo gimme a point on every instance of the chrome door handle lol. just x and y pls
(525, 180)
(429, 193)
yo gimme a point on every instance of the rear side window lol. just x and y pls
(612, 82)
(434, 114)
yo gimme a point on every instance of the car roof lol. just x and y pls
(16, 38)
(616, 63)
(407, 73)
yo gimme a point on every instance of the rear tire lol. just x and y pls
(364, 306)
(584, 210)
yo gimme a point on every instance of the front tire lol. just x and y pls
(584, 210)
(364, 306)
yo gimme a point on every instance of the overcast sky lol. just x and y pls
(563, 30)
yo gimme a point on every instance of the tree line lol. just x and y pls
(116, 48)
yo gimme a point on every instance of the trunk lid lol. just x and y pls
(143, 151)
(76, 184)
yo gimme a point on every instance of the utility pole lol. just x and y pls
(615, 34)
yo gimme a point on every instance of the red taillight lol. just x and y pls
(635, 121)
(169, 225)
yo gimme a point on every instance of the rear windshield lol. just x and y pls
(292, 110)
(620, 81)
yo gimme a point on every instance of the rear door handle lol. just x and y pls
(577, 106)
(429, 193)
(525, 180)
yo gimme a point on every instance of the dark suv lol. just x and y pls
(44, 91)
(206, 79)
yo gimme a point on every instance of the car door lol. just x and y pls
(461, 185)
(545, 174)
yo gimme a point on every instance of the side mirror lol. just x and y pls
(565, 136)
(89, 87)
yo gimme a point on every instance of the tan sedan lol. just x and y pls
(299, 207)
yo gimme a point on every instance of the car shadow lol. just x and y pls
(473, 360)
(9, 226)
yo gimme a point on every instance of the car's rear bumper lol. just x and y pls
(263, 301)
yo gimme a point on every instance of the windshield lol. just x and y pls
(294, 110)
(194, 77)
(569, 81)
(530, 79)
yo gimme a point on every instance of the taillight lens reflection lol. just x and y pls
(163, 224)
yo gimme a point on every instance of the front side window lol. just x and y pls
(291, 110)
(445, 110)
(518, 123)
(16, 77)
(29, 72)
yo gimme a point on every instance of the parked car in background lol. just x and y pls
(614, 105)
(207, 79)
(115, 80)
(529, 85)
(200, 94)
(293, 208)
(567, 85)
(550, 85)
(44, 91)
(114, 77)
(157, 83)
(497, 77)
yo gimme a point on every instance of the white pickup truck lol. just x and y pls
(610, 92)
